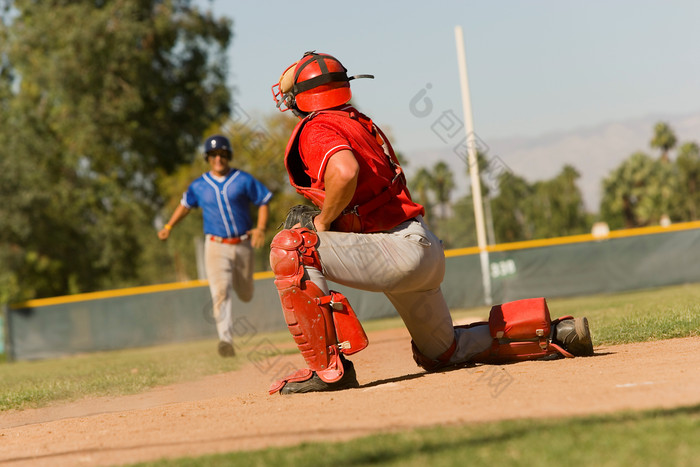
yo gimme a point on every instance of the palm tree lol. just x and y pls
(443, 184)
(688, 163)
(664, 139)
(639, 192)
(422, 184)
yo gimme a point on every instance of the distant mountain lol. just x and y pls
(593, 151)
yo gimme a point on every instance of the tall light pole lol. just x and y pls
(473, 167)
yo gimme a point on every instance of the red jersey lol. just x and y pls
(381, 200)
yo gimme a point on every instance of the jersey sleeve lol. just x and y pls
(318, 142)
(257, 192)
(189, 198)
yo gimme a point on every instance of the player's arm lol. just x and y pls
(258, 233)
(180, 212)
(340, 179)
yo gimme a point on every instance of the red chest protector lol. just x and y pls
(363, 215)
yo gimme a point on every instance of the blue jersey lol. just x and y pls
(226, 205)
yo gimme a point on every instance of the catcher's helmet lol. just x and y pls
(217, 142)
(316, 82)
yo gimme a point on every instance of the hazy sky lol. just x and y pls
(535, 67)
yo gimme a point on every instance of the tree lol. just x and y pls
(421, 184)
(664, 139)
(442, 185)
(95, 113)
(510, 209)
(555, 207)
(544, 209)
(639, 192)
(460, 229)
(688, 164)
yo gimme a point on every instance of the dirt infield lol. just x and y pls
(233, 411)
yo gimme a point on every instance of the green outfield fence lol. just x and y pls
(565, 266)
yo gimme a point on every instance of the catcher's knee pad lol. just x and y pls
(290, 251)
(521, 330)
(322, 325)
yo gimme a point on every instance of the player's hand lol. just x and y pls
(163, 233)
(257, 237)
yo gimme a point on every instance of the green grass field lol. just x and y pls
(667, 437)
(651, 438)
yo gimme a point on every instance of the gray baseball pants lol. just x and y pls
(407, 264)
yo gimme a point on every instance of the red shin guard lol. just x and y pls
(322, 325)
(521, 330)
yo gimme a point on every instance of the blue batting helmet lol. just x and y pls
(217, 142)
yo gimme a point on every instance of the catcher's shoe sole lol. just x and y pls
(316, 384)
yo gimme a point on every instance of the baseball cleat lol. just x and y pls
(316, 384)
(574, 336)
(226, 349)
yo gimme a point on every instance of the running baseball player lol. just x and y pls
(225, 195)
(369, 234)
